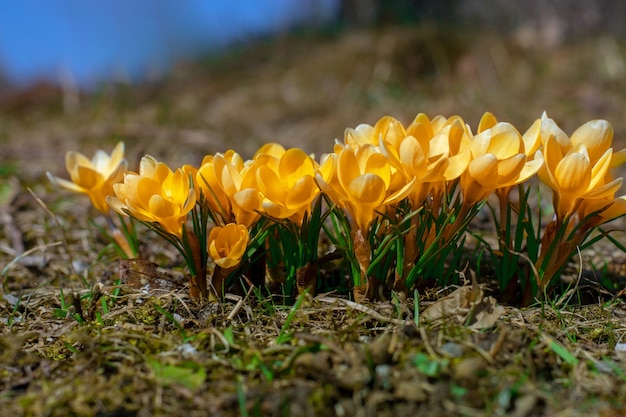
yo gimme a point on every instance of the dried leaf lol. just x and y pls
(468, 305)
(144, 275)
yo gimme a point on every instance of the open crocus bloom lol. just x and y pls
(387, 132)
(228, 244)
(574, 177)
(498, 160)
(452, 142)
(155, 195)
(94, 177)
(359, 181)
(287, 183)
(228, 184)
(431, 158)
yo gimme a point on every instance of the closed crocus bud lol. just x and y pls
(597, 136)
(228, 244)
(155, 195)
(94, 177)
(208, 180)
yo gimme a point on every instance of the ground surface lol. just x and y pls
(72, 343)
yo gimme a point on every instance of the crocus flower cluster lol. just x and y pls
(397, 196)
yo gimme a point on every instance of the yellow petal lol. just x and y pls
(615, 210)
(480, 144)
(552, 155)
(161, 208)
(439, 122)
(146, 187)
(347, 168)
(248, 200)
(69, 185)
(600, 169)
(607, 190)
(390, 130)
(550, 129)
(400, 194)
(482, 168)
(373, 162)
(413, 157)
(367, 189)
(573, 174)
(596, 135)
(74, 160)
(270, 185)
(302, 193)
(487, 121)
(116, 205)
(618, 158)
(147, 166)
(532, 138)
(420, 124)
(87, 178)
(117, 155)
(505, 141)
(276, 210)
(272, 148)
(457, 165)
(530, 168)
(363, 134)
(509, 170)
(295, 163)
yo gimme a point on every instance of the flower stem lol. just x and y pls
(197, 279)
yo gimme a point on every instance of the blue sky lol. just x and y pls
(94, 40)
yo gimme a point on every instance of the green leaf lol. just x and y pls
(189, 374)
(560, 350)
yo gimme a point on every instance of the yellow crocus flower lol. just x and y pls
(287, 183)
(359, 181)
(573, 176)
(498, 160)
(228, 184)
(386, 132)
(228, 244)
(94, 177)
(155, 195)
(434, 160)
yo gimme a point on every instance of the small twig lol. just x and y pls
(565, 298)
(361, 308)
(54, 217)
(239, 304)
(183, 303)
(15, 260)
(496, 348)
(427, 345)
(314, 338)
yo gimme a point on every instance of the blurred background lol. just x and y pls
(72, 41)
(208, 76)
